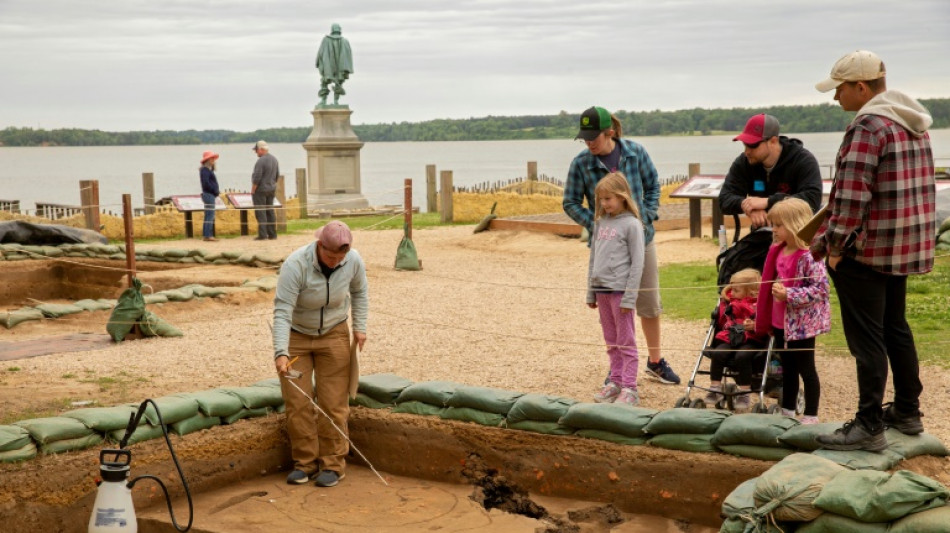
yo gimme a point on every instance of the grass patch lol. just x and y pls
(689, 293)
(419, 221)
(47, 409)
(13, 369)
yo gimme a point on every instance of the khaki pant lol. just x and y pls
(314, 443)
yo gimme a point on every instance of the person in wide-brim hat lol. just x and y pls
(209, 192)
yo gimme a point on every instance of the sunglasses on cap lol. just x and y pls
(753, 146)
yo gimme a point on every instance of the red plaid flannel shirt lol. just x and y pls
(883, 201)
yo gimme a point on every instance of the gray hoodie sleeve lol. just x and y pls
(635, 246)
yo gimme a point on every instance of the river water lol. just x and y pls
(52, 174)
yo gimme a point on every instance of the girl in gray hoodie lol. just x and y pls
(616, 263)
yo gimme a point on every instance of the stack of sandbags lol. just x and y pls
(689, 430)
(487, 406)
(427, 398)
(622, 424)
(16, 444)
(378, 391)
(60, 434)
(540, 413)
(754, 435)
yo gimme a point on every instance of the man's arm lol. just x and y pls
(574, 192)
(651, 187)
(285, 299)
(857, 170)
(359, 302)
(735, 188)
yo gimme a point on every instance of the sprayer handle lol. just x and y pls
(116, 454)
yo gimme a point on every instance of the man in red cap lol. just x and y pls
(771, 168)
(315, 289)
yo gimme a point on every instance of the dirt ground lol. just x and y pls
(500, 309)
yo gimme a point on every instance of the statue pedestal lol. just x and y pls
(333, 161)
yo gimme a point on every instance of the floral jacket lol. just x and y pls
(808, 308)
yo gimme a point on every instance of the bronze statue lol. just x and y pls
(335, 63)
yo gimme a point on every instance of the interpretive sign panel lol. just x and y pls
(194, 202)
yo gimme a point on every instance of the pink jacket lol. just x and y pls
(808, 308)
(742, 308)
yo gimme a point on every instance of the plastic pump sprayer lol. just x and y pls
(113, 511)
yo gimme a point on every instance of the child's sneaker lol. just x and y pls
(742, 402)
(608, 394)
(808, 420)
(628, 396)
(713, 395)
(788, 412)
(662, 372)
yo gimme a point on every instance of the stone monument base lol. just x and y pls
(333, 161)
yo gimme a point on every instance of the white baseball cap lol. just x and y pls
(859, 65)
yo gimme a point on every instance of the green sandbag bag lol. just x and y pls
(406, 257)
(52, 429)
(24, 314)
(69, 445)
(155, 299)
(911, 446)
(383, 388)
(267, 283)
(681, 420)
(944, 226)
(740, 501)
(786, 491)
(413, 407)
(195, 423)
(872, 496)
(486, 222)
(142, 433)
(246, 413)
(944, 238)
(832, 523)
(269, 382)
(59, 310)
(207, 292)
(20, 454)
(176, 253)
(92, 305)
(431, 392)
(539, 407)
(753, 429)
(127, 311)
(687, 442)
(216, 402)
(257, 397)
(178, 295)
(751, 451)
(362, 400)
(173, 408)
(931, 521)
(538, 426)
(862, 460)
(103, 419)
(802, 437)
(467, 414)
(621, 419)
(610, 436)
(153, 326)
(488, 399)
(13, 438)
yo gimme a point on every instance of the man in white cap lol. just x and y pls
(263, 190)
(315, 289)
(880, 229)
(771, 168)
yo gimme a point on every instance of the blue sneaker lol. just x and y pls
(662, 372)
(297, 477)
(328, 478)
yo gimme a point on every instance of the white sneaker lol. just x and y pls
(608, 394)
(628, 396)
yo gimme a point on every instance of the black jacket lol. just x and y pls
(794, 174)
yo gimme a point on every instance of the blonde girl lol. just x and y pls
(614, 270)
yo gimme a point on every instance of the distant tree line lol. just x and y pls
(798, 119)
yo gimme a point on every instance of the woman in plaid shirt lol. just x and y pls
(880, 229)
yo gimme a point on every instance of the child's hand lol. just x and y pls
(625, 310)
(592, 305)
(779, 292)
(748, 324)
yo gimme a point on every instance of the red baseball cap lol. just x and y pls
(759, 128)
(334, 236)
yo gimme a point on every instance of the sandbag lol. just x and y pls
(753, 429)
(740, 501)
(468, 414)
(246, 413)
(69, 445)
(413, 407)
(383, 388)
(862, 460)
(269, 382)
(257, 397)
(751, 451)
(430, 392)
(216, 402)
(103, 419)
(153, 326)
(127, 311)
(178, 295)
(685, 420)
(610, 436)
(911, 446)
(52, 429)
(59, 310)
(786, 491)
(931, 521)
(267, 283)
(13, 438)
(488, 399)
(172, 408)
(157, 298)
(20, 454)
(142, 433)
(195, 423)
(207, 292)
(176, 253)
(406, 256)
(687, 442)
(539, 426)
(802, 437)
(539, 407)
(871, 496)
(832, 523)
(92, 305)
(362, 400)
(620, 419)
(24, 314)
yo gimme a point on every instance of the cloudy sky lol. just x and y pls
(240, 64)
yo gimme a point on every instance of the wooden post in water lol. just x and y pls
(129, 237)
(407, 202)
(281, 213)
(445, 195)
(432, 204)
(148, 192)
(302, 192)
(695, 209)
(89, 201)
(532, 176)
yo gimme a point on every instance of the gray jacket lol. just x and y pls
(312, 304)
(616, 257)
(265, 174)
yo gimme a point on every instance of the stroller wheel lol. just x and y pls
(698, 403)
(775, 409)
(682, 401)
(759, 407)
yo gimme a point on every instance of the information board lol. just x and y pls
(193, 202)
(700, 186)
(244, 200)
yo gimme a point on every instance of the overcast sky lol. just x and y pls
(246, 64)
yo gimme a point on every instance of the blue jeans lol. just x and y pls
(207, 230)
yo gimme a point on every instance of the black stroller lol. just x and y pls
(747, 252)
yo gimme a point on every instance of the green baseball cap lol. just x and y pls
(593, 121)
